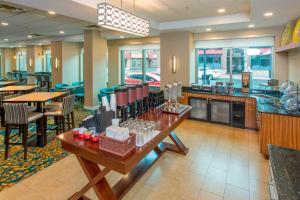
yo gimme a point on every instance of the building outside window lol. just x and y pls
(21, 61)
(227, 64)
(140, 65)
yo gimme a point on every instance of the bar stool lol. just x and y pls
(17, 116)
(60, 112)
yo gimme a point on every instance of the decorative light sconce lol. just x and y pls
(174, 64)
(15, 57)
(30, 62)
(56, 63)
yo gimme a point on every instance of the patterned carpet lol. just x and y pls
(14, 169)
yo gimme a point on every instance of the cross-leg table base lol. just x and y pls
(104, 191)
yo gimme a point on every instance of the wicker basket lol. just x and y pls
(117, 147)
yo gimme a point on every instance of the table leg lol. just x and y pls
(2, 115)
(97, 181)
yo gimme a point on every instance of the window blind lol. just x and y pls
(236, 43)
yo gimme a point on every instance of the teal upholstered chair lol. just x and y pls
(79, 93)
(78, 83)
(60, 85)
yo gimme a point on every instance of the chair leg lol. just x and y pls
(63, 123)
(68, 121)
(24, 139)
(56, 121)
(7, 133)
(43, 122)
(72, 118)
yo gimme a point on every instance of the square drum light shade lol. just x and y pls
(114, 18)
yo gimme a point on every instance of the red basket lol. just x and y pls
(117, 147)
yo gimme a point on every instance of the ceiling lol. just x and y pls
(173, 10)
(73, 16)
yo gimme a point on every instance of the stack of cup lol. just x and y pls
(105, 103)
(113, 103)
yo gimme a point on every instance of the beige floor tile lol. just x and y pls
(20, 192)
(258, 190)
(215, 181)
(203, 195)
(235, 193)
(238, 176)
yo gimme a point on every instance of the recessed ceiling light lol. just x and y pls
(51, 12)
(251, 26)
(221, 10)
(5, 39)
(29, 36)
(4, 23)
(61, 32)
(208, 29)
(268, 14)
(122, 36)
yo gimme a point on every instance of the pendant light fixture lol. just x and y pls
(115, 18)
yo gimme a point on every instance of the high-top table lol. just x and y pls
(134, 166)
(39, 98)
(14, 88)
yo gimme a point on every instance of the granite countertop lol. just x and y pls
(263, 105)
(285, 165)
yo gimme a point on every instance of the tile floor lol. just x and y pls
(223, 163)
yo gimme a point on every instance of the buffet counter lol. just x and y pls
(274, 124)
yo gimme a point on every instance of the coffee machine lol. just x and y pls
(246, 81)
(132, 100)
(122, 102)
(145, 97)
(139, 99)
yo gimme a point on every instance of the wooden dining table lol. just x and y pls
(134, 166)
(39, 98)
(6, 83)
(18, 88)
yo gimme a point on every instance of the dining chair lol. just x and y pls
(60, 112)
(17, 116)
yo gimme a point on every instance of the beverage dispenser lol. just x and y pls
(122, 102)
(139, 99)
(132, 100)
(146, 96)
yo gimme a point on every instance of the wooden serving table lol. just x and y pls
(39, 98)
(134, 166)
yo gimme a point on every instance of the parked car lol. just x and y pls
(212, 74)
(136, 78)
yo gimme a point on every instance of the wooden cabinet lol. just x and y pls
(280, 130)
(250, 118)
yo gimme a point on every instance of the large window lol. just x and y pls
(47, 61)
(21, 61)
(141, 65)
(227, 64)
(81, 71)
